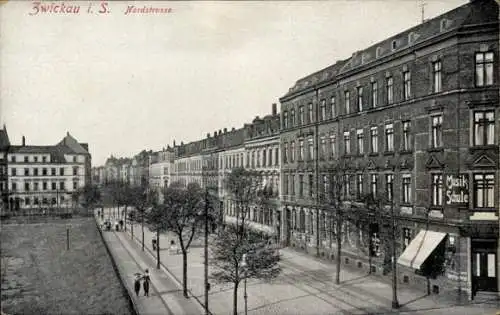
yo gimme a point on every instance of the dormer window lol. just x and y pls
(393, 45)
(378, 52)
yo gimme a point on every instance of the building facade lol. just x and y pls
(46, 177)
(4, 149)
(413, 120)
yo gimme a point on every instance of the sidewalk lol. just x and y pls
(165, 294)
(306, 286)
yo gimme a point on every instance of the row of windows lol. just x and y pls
(262, 158)
(44, 200)
(35, 159)
(42, 171)
(43, 186)
(483, 77)
(483, 187)
(483, 133)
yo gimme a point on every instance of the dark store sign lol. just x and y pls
(457, 189)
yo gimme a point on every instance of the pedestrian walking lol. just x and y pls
(137, 284)
(145, 283)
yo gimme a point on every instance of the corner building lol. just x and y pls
(415, 119)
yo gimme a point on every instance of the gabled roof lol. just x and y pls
(56, 153)
(71, 143)
(4, 138)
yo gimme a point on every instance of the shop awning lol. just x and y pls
(420, 248)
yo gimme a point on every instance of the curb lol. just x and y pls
(126, 291)
(170, 274)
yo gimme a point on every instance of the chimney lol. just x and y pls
(24, 141)
(220, 132)
(225, 130)
(233, 129)
(67, 133)
(274, 109)
(174, 143)
(208, 135)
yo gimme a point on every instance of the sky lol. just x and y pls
(127, 82)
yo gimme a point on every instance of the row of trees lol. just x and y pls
(186, 211)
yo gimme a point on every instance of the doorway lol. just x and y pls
(288, 226)
(484, 265)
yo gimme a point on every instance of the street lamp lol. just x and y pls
(243, 265)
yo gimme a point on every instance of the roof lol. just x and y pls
(471, 13)
(71, 143)
(4, 138)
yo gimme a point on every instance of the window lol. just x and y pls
(484, 127)
(374, 139)
(292, 151)
(389, 137)
(285, 184)
(285, 119)
(310, 111)
(44, 186)
(14, 186)
(484, 185)
(347, 186)
(333, 146)
(301, 150)
(35, 158)
(390, 90)
(484, 68)
(301, 185)
(13, 158)
(27, 201)
(347, 142)
(292, 117)
(285, 150)
(75, 170)
(301, 115)
(35, 187)
(333, 110)
(310, 145)
(292, 182)
(257, 157)
(436, 76)
(360, 98)
(74, 158)
(54, 186)
(374, 94)
(26, 186)
(263, 158)
(323, 110)
(406, 85)
(406, 237)
(373, 184)
(13, 172)
(44, 159)
(75, 185)
(26, 159)
(347, 103)
(437, 190)
(359, 140)
(44, 171)
(276, 156)
(406, 136)
(53, 171)
(437, 132)
(323, 147)
(389, 186)
(406, 189)
(26, 171)
(311, 185)
(359, 185)
(61, 186)
(325, 186)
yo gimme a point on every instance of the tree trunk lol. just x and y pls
(235, 299)
(339, 252)
(184, 273)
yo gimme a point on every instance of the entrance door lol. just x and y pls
(484, 265)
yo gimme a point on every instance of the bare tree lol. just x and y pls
(141, 198)
(182, 213)
(246, 190)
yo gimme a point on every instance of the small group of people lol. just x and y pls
(145, 283)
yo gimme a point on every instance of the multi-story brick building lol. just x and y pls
(45, 177)
(415, 119)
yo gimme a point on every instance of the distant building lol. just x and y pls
(4, 148)
(45, 177)
(160, 169)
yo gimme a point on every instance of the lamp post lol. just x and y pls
(206, 251)
(243, 265)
